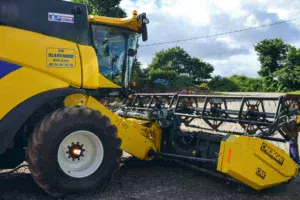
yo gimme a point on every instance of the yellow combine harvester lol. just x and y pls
(57, 64)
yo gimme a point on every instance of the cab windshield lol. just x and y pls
(111, 45)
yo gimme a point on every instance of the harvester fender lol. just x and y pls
(137, 139)
(11, 122)
(255, 162)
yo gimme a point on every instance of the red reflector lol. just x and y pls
(229, 155)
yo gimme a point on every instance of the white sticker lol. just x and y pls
(57, 17)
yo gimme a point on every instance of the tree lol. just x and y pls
(137, 71)
(178, 60)
(289, 75)
(109, 8)
(200, 70)
(170, 75)
(175, 58)
(271, 54)
(280, 65)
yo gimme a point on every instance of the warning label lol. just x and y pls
(61, 58)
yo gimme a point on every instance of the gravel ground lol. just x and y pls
(154, 180)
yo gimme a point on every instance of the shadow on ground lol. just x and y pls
(139, 180)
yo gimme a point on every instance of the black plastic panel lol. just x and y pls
(35, 15)
(11, 122)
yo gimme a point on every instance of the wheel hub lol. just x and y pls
(80, 154)
(75, 151)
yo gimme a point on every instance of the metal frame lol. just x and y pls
(251, 115)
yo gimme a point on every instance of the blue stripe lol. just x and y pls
(6, 68)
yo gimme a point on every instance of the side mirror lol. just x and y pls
(131, 52)
(143, 30)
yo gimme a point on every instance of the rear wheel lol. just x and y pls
(73, 150)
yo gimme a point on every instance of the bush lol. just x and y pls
(170, 75)
(204, 86)
(141, 83)
(223, 84)
(183, 80)
(239, 83)
(247, 84)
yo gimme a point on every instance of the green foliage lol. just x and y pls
(269, 84)
(137, 71)
(222, 84)
(107, 8)
(169, 75)
(183, 80)
(175, 81)
(236, 83)
(271, 54)
(204, 86)
(246, 84)
(296, 92)
(175, 59)
(200, 70)
(178, 60)
(280, 65)
(289, 75)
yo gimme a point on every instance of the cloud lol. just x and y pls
(230, 54)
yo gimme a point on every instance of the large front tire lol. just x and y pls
(72, 150)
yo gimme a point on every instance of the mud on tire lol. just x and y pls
(49, 134)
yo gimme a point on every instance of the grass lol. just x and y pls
(296, 92)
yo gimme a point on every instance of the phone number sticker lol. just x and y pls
(61, 58)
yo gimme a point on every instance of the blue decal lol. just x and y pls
(58, 17)
(6, 68)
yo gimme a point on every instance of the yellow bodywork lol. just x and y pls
(129, 23)
(44, 72)
(137, 136)
(255, 162)
(92, 79)
(39, 72)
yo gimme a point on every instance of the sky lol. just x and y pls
(229, 54)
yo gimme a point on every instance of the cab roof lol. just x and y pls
(130, 23)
